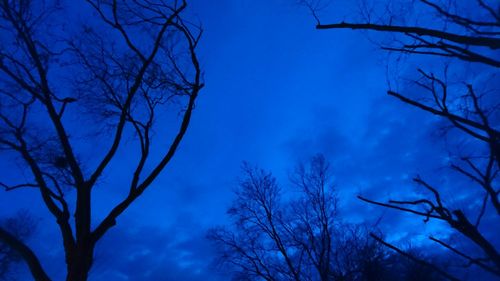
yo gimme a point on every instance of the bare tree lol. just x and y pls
(260, 247)
(316, 214)
(279, 236)
(129, 63)
(465, 37)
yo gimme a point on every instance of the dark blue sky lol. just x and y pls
(277, 92)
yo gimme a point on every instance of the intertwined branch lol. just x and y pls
(125, 79)
(463, 38)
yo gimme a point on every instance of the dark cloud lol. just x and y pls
(151, 253)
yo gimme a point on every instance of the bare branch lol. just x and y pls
(493, 43)
(31, 259)
(414, 259)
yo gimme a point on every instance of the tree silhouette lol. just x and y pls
(278, 236)
(63, 87)
(465, 32)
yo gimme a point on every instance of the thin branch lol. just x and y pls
(493, 43)
(27, 254)
(415, 259)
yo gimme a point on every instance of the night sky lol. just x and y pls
(277, 92)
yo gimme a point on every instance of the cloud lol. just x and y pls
(396, 143)
(180, 252)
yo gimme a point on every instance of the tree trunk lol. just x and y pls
(81, 263)
(81, 258)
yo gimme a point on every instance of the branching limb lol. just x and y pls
(491, 42)
(27, 254)
(415, 259)
(477, 261)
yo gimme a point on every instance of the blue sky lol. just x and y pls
(277, 92)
